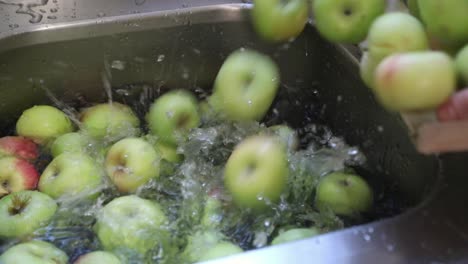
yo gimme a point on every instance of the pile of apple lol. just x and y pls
(108, 147)
(407, 62)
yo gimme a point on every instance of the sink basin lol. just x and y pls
(420, 214)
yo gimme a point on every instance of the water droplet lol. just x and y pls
(118, 65)
(51, 17)
(139, 2)
(380, 128)
(160, 58)
(390, 248)
(27, 8)
(53, 10)
(367, 237)
(339, 98)
(101, 14)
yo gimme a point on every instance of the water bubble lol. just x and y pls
(367, 237)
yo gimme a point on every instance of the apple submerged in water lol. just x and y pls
(111, 122)
(344, 194)
(221, 249)
(21, 213)
(295, 234)
(34, 252)
(415, 81)
(346, 20)
(70, 142)
(132, 162)
(71, 175)
(256, 172)
(43, 123)
(16, 175)
(132, 223)
(19, 147)
(245, 86)
(98, 257)
(279, 20)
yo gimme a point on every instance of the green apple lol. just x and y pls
(130, 223)
(71, 175)
(111, 121)
(19, 147)
(344, 194)
(285, 134)
(16, 175)
(461, 63)
(222, 249)
(43, 123)
(346, 21)
(169, 157)
(245, 86)
(172, 115)
(295, 234)
(212, 213)
(34, 252)
(21, 213)
(367, 68)
(279, 20)
(199, 243)
(132, 162)
(445, 19)
(70, 142)
(256, 173)
(395, 33)
(399, 85)
(98, 257)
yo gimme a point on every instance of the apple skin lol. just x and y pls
(131, 223)
(395, 33)
(344, 194)
(346, 21)
(198, 243)
(34, 252)
(276, 21)
(295, 234)
(19, 147)
(367, 68)
(222, 249)
(69, 143)
(21, 213)
(446, 19)
(399, 86)
(17, 175)
(169, 157)
(256, 172)
(98, 257)
(172, 115)
(461, 63)
(132, 162)
(43, 123)
(111, 122)
(71, 175)
(245, 86)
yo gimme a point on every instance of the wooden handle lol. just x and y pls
(442, 137)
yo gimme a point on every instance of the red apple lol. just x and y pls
(19, 147)
(16, 175)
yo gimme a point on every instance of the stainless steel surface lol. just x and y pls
(183, 46)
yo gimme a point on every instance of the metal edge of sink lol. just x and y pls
(434, 232)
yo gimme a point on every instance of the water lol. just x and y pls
(186, 190)
(28, 7)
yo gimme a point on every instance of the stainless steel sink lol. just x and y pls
(421, 214)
